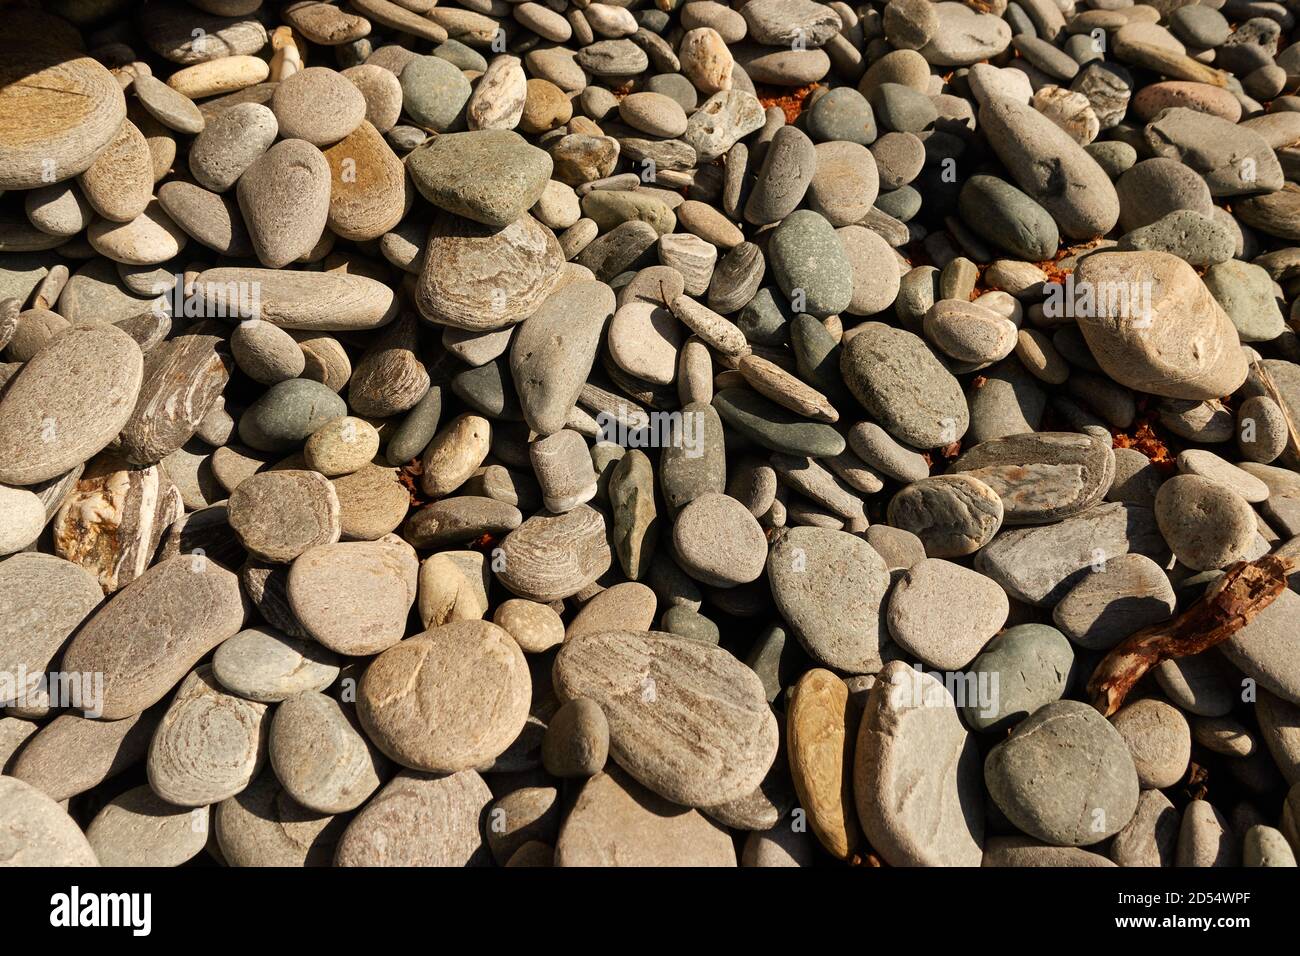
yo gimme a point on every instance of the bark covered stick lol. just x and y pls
(1228, 605)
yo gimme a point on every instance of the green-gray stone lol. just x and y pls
(695, 464)
(417, 428)
(635, 518)
(492, 176)
(287, 413)
(817, 358)
(808, 258)
(842, 114)
(1199, 240)
(488, 390)
(1009, 218)
(610, 207)
(1246, 293)
(1031, 666)
(434, 91)
(765, 320)
(902, 203)
(684, 622)
(460, 56)
(774, 427)
(776, 659)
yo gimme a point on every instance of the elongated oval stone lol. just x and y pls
(686, 719)
(314, 301)
(1042, 476)
(916, 774)
(155, 630)
(68, 403)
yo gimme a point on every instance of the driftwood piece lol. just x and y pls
(1228, 605)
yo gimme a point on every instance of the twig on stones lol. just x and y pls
(1228, 605)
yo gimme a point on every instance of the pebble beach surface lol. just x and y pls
(644, 432)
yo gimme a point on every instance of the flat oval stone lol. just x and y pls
(1103, 609)
(1207, 524)
(1051, 167)
(1185, 346)
(316, 301)
(1064, 776)
(354, 597)
(155, 630)
(617, 822)
(953, 515)
(829, 586)
(717, 541)
(287, 413)
(71, 754)
(267, 666)
(37, 831)
(368, 192)
(230, 143)
(140, 828)
(280, 514)
(119, 183)
(1159, 740)
(1019, 671)
(420, 819)
(809, 263)
(482, 278)
(285, 198)
(922, 619)
(774, 427)
(323, 760)
(819, 744)
(447, 700)
(916, 774)
(460, 520)
(903, 386)
(58, 107)
(1150, 837)
(318, 105)
(68, 403)
(1039, 565)
(1263, 649)
(206, 217)
(434, 92)
(42, 599)
(550, 557)
(1042, 476)
(724, 735)
(1007, 217)
(209, 744)
(489, 176)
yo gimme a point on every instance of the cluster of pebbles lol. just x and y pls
(677, 433)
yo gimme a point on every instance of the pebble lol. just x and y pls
(1020, 670)
(726, 738)
(72, 754)
(1159, 740)
(46, 429)
(177, 611)
(836, 615)
(820, 743)
(284, 196)
(912, 817)
(353, 596)
(616, 821)
(718, 542)
(263, 665)
(1207, 524)
(1105, 608)
(264, 826)
(278, 515)
(1044, 476)
(139, 828)
(1205, 838)
(920, 618)
(490, 176)
(953, 515)
(576, 743)
(209, 744)
(1064, 776)
(420, 819)
(442, 721)
(320, 756)
(903, 386)
(39, 832)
